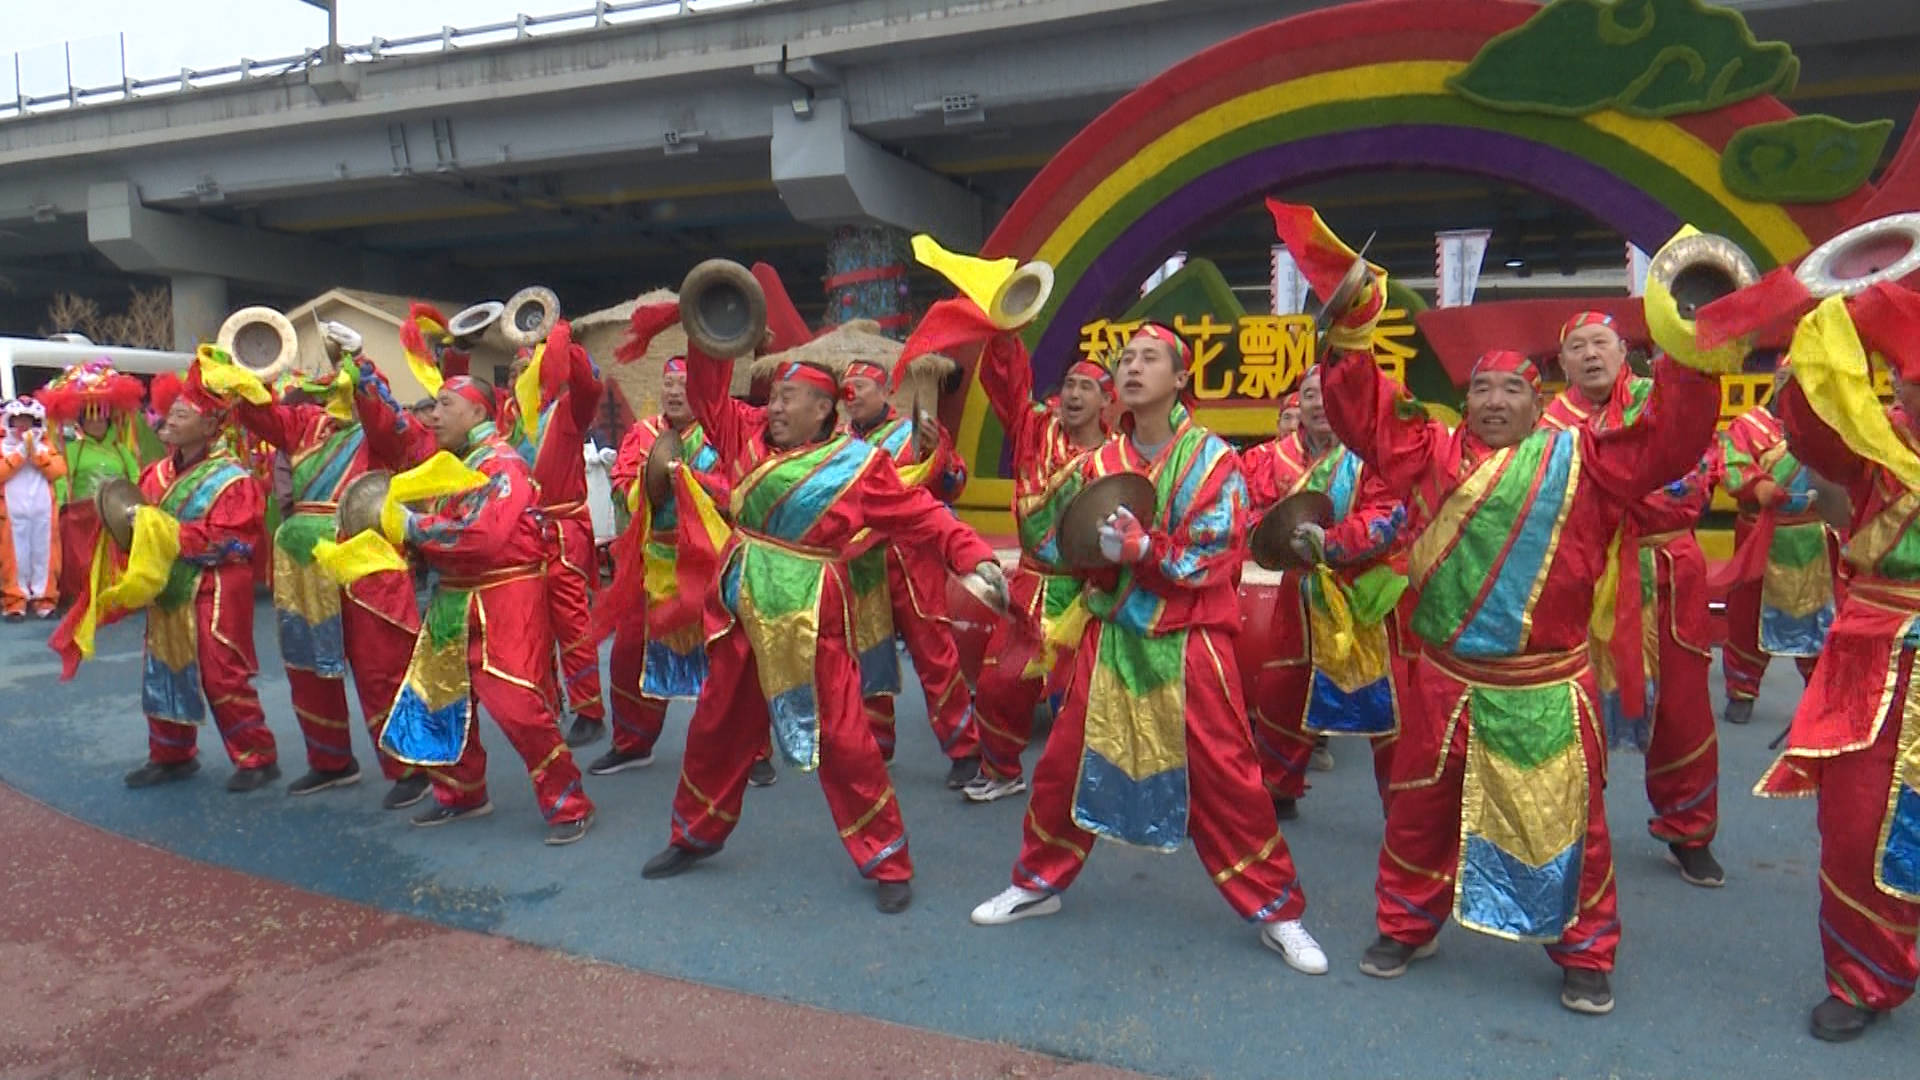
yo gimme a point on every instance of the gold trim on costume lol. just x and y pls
(866, 818)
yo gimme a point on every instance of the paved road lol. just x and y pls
(1144, 969)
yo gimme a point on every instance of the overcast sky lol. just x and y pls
(165, 35)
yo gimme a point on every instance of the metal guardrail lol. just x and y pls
(602, 15)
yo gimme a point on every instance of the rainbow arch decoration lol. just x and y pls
(1339, 90)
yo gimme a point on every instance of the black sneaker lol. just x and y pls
(1286, 809)
(614, 761)
(1388, 959)
(316, 780)
(568, 832)
(762, 774)
(244, 780)
(1586, 991)
(1739, 710)
(674, 860)
(405, 792)
(161, 772)
(585, 732)
(893, 897)
(962, 772)
(1835, 1020)
(438, 814)
(16, 616)
(1697, 866)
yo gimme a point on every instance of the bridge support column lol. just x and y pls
(829, 174)
(199, 307)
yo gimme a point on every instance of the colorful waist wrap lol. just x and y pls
(1133, 765)
(1352, 691)
(1523, 805)
(432, 714)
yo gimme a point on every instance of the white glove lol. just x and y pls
(346, 337)
(1122, 540)
(994, 585)
(606, 456)
(1309, 541)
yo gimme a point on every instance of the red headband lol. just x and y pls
(1586, 318)
(472, 391)
(1087, 369)
(795, 371)
(1291, 401)
(1160, 333)
(864, 369)
(1506, 360)
(676, 365)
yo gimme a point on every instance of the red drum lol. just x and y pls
(1269, 631)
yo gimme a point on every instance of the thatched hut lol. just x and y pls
(638, 382)
(861, 339)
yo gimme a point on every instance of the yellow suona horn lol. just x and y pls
(1693, 270)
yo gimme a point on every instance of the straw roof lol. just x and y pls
(857, 340)
(601, 332)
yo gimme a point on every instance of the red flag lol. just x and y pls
(645, 324)
(1763, 310)
(948, 327)
(1888, 318)
(1322, 257)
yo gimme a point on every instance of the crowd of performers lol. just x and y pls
(1491, 606)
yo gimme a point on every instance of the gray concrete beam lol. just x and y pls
(140, 239)
(829, 174)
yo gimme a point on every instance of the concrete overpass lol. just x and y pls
(605, 160)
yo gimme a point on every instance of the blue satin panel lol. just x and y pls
(1900, 860)
(806, 501)
(1149, 813)
(880, 670)
(667, 675)
(167, 694)
(1496, 628)
(316, 647)
(796, 730)
(1513, 899)
(1624, 733)
(1366, 711)
(421, 736)
(1782, 634)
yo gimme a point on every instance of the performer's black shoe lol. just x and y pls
(405, 792)
(1586, 991)
(1739, 710)
(440, 814)
(161, 772)
(892, 897)
(568, 832)
(244, 780)
(1835, 1020)
(1286, 809)
(1388, 959)
(585, 732)
(762, 774)
(16, 616)
(614, 761)
(1697, 866)
(962, 772)
(674, 860)
(317, 780)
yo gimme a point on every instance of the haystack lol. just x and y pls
(861, 339)
(603, 331)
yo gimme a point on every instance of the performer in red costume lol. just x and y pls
(1152, 744)
(484, 638)
(649, 667)
(780, 639)
(1663, 559)
(1855, 740)
(916, 585)
(552, 439)
(1046, 439)
(199, 654)
(369, 626)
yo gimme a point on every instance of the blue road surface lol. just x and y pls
(1144, 968)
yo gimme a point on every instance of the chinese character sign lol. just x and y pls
(1256, 358)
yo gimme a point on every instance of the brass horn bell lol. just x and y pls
(472, 323)
(261, 340)
(1884, 249)
(1693, 270)
(723, 309)
(1019, 299)
(531, 313)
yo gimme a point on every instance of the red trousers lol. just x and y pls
(1003, 698)
(919, 617)
(729, 731)
(378, 622)
(573, 575)
(79, 531)
(508, 653)
(1229, 818)
(1420, 854)
(1683, 756)
(1866, 936)
(227, 666)
(637, 719)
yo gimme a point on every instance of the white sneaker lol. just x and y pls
(1297, 947)
(984, 788)
(1321, 760)
(1017, 903)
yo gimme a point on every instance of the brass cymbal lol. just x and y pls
(360, 503)
(1079, 528)
(113, 499)
(666, 450)
(1272, 541)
